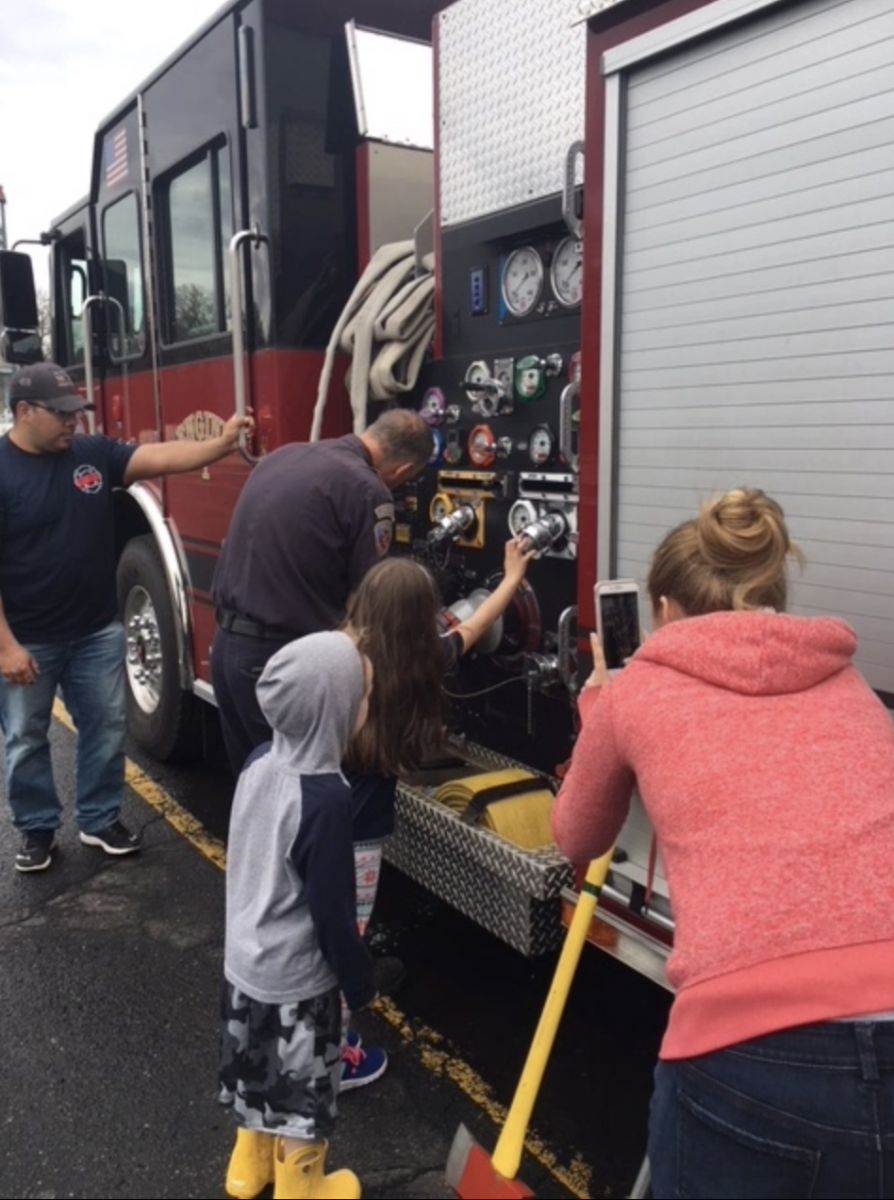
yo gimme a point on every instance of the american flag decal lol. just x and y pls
(114, 156)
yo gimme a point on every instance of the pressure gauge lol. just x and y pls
(441, 506)
(482, 447)
(567, 272)
(433, 406)
(541, 445)
(477, 372)
(522, 281)
(522, 514)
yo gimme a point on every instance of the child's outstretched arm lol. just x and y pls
(515, 563)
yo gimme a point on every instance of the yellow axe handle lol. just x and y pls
(508, 1152)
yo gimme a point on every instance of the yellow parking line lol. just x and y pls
(430, 1046)
(156, 797)
(431, 1050)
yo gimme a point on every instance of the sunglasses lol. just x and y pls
(59, 413)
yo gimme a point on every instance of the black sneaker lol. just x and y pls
(36, 851)
(114, 839)
(389, 973)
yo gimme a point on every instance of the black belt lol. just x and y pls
(231, 622)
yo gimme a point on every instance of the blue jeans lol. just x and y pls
(805, 1114)
(90, 673)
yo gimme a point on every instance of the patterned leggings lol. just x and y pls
(367, 868)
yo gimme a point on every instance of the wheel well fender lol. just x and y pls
(137, 512)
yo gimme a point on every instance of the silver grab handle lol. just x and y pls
(566, 425)
(122, 326)
(237, 299)
(573, 222)
(564, 651)
(88, 357)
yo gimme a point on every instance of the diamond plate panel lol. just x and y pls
(514, 893)
(511, 96)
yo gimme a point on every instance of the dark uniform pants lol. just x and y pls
(236, 665)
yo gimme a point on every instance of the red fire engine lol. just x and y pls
(659, 243)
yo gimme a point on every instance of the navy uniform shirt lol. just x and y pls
(57, 537)
(312, 519)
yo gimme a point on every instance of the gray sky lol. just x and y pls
(64, 65)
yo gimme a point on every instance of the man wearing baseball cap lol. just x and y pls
(59, 625)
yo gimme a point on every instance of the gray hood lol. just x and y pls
(310, 693)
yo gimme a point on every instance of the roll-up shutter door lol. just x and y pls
(755, 318)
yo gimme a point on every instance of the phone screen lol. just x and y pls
(619, 617)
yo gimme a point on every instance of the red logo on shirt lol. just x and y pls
(88, 479)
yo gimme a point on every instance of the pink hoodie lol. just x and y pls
(766, 765)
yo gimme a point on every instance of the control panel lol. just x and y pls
(503, 406)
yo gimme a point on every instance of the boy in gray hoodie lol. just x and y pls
(291, 924)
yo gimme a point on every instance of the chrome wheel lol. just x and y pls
(144, 655)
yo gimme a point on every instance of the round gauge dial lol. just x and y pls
(482, 446)
(476, 372)
(433, 405)
(522, 281)
(441, 506)
(521, 515)
(567, 272)
(541, 445)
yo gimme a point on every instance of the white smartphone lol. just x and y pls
(617, 620)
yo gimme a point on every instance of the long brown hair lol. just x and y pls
(394, 617)
(731, 556)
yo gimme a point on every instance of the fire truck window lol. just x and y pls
(309, 186)
(123, 275)
(72, 290)
(226, 232)
(199, 215)
(77, 294)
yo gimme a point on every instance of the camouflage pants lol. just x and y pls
(280, 1064)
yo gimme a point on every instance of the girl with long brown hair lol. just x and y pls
(394, 617)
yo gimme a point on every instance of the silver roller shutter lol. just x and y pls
(748, 325)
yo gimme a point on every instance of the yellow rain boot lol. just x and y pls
(251, 1164)
(299, 1175)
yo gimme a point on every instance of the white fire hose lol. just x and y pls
(386, 327)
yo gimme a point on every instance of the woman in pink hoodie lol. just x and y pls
(766, 765)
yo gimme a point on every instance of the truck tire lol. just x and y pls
(161, 716)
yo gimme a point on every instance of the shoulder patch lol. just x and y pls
(383, 511)
(382, 531)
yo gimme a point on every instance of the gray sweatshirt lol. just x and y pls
(291, 929)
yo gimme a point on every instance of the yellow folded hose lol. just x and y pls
(520, 813)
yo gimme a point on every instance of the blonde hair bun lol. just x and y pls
(731, 556)
(740, 527)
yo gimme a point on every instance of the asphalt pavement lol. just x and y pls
(109, 987)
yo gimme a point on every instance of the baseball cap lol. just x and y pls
(47, 383)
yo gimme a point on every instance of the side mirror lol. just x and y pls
(18, 298)
(18, 309)
(20, 346)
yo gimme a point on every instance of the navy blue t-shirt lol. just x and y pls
(57, 537)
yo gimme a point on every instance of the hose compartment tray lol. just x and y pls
(516, 894)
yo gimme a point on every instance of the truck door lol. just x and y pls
(166, 175)
(76, 277)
